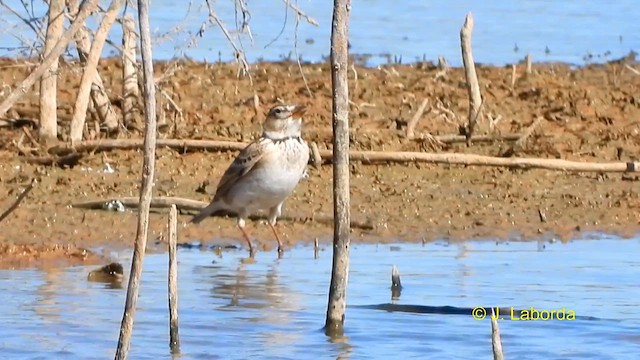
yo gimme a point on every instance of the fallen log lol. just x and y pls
(371, 156)
(189, 206)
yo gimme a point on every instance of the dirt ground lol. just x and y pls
(589, 114)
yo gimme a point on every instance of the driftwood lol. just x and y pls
(48, 130)
(87, 8)
(90, 71)
(473, 88)
(373, 156)
(188, 206)
(99, 97)
(69, 160)
(16, 203)
(520, 143)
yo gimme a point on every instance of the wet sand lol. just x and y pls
(589, 114)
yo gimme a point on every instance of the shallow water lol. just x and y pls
(275, 308)
(568, 29)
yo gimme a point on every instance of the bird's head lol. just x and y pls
(284, 121)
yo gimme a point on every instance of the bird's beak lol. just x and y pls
(298, 111)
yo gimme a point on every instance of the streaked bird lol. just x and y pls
(264, 173)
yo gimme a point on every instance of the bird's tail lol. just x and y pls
(206, 212)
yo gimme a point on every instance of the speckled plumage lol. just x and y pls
(264, 173)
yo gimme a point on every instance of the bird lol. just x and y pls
(264, 173)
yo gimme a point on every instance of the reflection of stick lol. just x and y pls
(21, 89)
(411, 126)
(496, 342)
(15, 205)
(174, 335)
(475, 100)
(147, 179)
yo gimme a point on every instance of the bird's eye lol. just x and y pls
(278, 111)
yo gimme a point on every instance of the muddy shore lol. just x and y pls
(589, 114)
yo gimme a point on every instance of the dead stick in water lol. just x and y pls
(396, 284)
(147, 178)
(496, 342)
(21, 197)
(174, 334)
(411, 126)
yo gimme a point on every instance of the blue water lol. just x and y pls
(274, 308)
(551, 30)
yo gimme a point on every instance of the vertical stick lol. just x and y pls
(396, 284)
(174, 335)
(101, 105)
(475, 100)
(527, 60)
(48, 84)
(90, 70)
(129, 71)
(340, 269)
(148, 172)
(496, 343)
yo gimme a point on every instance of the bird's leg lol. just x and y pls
(245, 233)
(273, 227)
(273, 218)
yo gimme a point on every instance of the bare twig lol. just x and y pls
(316, 157)
(300, 13)
(129, 72)
(16, 203)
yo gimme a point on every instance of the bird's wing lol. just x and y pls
(246, 160)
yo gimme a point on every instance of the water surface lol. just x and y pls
(274, 308)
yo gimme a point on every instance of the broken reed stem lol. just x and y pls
(90, 71)
(411, 126)
(334, 325)
(148, 173)
(48, 130)
(129, 72)
(473, 88)
(52, 56)
(100, 100)
(16, 203)
(174, 332)
(496, 342)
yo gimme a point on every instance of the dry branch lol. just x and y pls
(188, 206)
(129, 72)
(87, 7)
(147, 179)
(174, 329)
(100, 99)
(372, 156)
(411, 125)
(16, 203)
(519, 144)
(337, 303)
(68, 160)
(473, 88)
(90, 71)
(48, 130)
